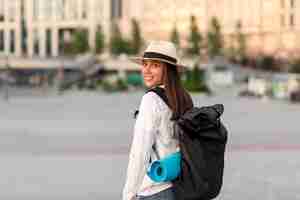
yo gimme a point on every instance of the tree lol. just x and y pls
(268, 63)
(195, 80)
(241, 42)
(175, 38)
(118, 45)
(295, 66)
(214, 39)
(137, 40)
(80, 43)
(99, 40)
(195, 38)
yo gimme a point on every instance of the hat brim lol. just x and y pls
(139, 60)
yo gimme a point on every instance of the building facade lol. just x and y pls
(38, 27)
(31, 28)
(270, 26)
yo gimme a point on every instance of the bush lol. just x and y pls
(194, 81)
(114, 86)
(267, 63)
(295, 66)
(118, 44)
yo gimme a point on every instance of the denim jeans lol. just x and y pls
(167, 194)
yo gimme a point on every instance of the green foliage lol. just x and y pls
(68, 48)
(118, 44)
(115, 86)
(194, 81)
(175, 38)
(214, 39)
(195, 38)
(121, 84)
(295, 66)
(267, 63)
(100, 38)
(241, 42)
(80, 42)
(137, 40)
(230, 53)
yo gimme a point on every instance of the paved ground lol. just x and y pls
(76, 146)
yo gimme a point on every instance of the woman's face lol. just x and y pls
(152, 72)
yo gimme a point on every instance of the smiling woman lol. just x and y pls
(154, 122)
(152, 72)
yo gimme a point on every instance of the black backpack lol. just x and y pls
(202, 140)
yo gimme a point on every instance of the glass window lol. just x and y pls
(84, 9)
(292, 20)
(282, 20)
(292, 3)
(48, 41)
(73, 5)
(1, 40)
(36, 42)
(2, 4)
(36, 9)
(12, 8)
(60, 9)
(47, 9)
(12, 41)
(282, 3)
(99, 9)
(116, 9)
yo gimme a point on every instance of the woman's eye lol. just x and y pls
(156, 65)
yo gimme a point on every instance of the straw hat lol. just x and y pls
(161, 51)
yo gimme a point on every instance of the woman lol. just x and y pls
(154, 125)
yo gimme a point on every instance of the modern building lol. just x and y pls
(31, 28)
(271, 26)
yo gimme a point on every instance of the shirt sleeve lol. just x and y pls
(144, 132)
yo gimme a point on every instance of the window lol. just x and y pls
(48, 41)
(60, 9)
(282, 3)
(12, 8)
(36, 42)
(99, 9)
(47, 9)
(12, 41)
(73, 9)
(23, 36)
(116, 9)
(2, 4)
(292, 3)
(1, 40)
(36, 9)
(282, 20)
(292, 20)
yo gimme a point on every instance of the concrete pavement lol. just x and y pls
(76, 146)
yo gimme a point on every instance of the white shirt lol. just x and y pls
(153, 125)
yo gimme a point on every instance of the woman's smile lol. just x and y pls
(152, 72)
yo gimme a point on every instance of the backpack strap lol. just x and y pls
(161, 93)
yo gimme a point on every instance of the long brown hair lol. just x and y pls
(179, 99)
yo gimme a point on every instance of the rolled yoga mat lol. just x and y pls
(165, 169)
